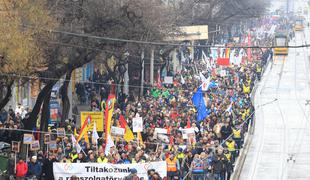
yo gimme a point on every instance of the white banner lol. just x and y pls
(117, 131)
(102, 171)
(137, 124)
(168, 80)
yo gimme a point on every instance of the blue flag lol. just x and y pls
(200, 105)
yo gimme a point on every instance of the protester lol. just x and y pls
(21, 169)
(133, 175)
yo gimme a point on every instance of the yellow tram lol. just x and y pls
(280, 43)
(299, 24)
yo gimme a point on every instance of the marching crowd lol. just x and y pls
(210, 154)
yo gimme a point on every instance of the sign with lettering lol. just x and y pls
(106, 171)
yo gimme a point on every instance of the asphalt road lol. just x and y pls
(281, 143)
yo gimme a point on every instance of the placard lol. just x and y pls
(52, 145)
(168, 80)
(95, 117)
(187, 132)
(47, 138)
(35, 145)
(161, 131)
(16, 146)
(106, 170)
(117, 131)
(28, 138)
(137, 124)
(61, 132)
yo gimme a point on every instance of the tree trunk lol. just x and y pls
(45, 115)
(31, 122)
(8, 95)
(64, 96)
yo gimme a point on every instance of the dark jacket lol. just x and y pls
(131, 177)
(219, 163)
(48, 169)
(34, 169)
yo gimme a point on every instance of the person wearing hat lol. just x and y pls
(133, 175)
(34, 168)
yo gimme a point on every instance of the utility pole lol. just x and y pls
(152, 67)
(287, 6)
(142, 73)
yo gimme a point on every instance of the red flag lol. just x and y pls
(171, 140)
(158, 79)
(122, 121)
(223, 61)
(168, 130)
(188, 124)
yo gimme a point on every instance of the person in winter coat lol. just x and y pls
(21, 169)
(11, 166)
(34, 168)
(219, 165)
(48, 167)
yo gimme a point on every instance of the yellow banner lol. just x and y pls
(96, 117)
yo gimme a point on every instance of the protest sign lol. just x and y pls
(116, 131)
(187, 132)
(47, 138)
(35, 145)
(16, 146)
(106, 171)
(28, 138)
(137, 124)
(61, 132)
(52, 145)
(160, 131)
(168, 80)
(95, 117)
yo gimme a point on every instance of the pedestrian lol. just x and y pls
(47, 168)
(172, 167)
(34, 168)
(133, 175)
(197, 168)
(21, 169)
(219, 165)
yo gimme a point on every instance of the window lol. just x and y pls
(280, 41)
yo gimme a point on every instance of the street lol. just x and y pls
(280, 145)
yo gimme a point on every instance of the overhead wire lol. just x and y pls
(157, 43)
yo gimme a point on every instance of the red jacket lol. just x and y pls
(21, 169)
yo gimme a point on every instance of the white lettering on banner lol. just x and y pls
(100, 171)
